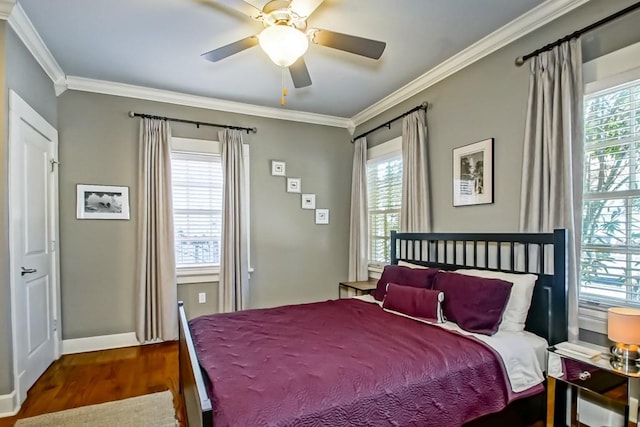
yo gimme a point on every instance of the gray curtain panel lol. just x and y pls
(359, 220)
(415, 212)
(234, 268)
(552, 165)
(157, 301)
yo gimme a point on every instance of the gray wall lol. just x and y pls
(488, 100)
(294, 259)
(21, 73)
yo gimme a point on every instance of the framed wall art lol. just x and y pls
(294, 185)
(102, 202)
(308, 201)
(322, 216)
(278, 168)
(473, 174)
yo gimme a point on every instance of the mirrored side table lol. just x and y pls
(599, 377)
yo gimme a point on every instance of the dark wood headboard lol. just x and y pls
(543, 254)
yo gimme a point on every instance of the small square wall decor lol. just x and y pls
(322, 216)
(278, 168)
(308, 201)
(293, 185)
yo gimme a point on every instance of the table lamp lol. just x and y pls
(624, 330)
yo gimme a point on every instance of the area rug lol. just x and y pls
(150, 410)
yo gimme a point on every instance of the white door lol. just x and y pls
(33, 232)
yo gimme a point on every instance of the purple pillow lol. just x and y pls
(406, 276)
(476, 304)
(415, 302)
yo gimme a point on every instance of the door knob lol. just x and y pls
(27, 271)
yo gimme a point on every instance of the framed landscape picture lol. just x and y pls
(473, 174)
(102, 202)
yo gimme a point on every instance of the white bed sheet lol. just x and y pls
(523, 354)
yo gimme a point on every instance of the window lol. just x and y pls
(384, 183)
(610, 256)
(197, 183)
(197, 208)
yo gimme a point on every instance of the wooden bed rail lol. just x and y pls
(198, 408)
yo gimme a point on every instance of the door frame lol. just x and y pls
(18, 109)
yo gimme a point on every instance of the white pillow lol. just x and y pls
(410, 264)
(515, 313)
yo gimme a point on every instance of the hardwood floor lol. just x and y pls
(103, 376)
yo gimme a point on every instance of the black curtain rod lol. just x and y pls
(192, 122)
(422, 106)
(522, 59)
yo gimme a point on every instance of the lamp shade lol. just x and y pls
(624, 325)
(283, 44)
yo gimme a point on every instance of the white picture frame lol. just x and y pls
(102, 202)
(308, 201)
(294, 185)
(322, 216)
(278, 168)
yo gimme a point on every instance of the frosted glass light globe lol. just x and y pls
(283, 44)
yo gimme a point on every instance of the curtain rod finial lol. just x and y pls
(519, 61)
(131, 114)
(425, 105)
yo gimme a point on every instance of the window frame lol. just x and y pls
(388, 149)
(606, 72)
(187, 275)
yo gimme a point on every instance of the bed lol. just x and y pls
(368, 382)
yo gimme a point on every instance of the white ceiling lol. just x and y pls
(157, 44)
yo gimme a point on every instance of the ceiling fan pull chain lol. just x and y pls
(284, 88)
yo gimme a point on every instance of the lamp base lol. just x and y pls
(625, 357)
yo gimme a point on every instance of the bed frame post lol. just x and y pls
(393, 255)
(559, 333)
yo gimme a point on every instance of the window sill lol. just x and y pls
(375, 271)
(592, 317)
(200, 275)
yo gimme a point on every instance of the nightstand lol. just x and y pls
(362, 288)
(596, 377)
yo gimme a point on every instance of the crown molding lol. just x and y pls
(519, 27)
(6, 6)
(159, 95)
(23, 27)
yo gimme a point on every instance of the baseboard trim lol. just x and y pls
(9, 404)
(103, 342)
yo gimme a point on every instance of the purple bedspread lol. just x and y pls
(343, 362)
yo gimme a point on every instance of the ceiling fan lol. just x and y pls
(286, 36)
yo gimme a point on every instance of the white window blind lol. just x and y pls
(610, 256)
(384, 181)
(197, 208)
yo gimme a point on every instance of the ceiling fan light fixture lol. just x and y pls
(283, 44)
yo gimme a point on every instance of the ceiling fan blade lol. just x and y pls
(354, 44)
(241, 6)
(304, 8)
(230, 49)
(300, 74)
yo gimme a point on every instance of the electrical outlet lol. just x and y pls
(202, 297)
